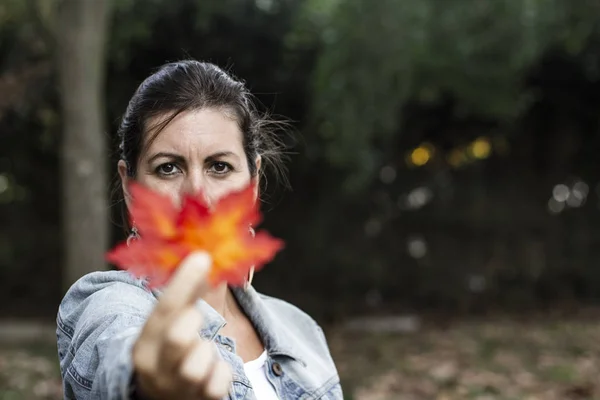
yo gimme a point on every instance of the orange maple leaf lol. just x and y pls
(168, 235)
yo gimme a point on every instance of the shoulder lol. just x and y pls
(301, 329)
(287, 310)
(99, 280)
(293, 317)
(98, 295)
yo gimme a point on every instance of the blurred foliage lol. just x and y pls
(431, 135)
(377, 56)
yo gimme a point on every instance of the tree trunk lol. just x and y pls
(81, 34)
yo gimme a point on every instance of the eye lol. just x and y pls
(220, 168)
(167, 169)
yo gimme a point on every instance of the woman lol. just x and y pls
(189, 127)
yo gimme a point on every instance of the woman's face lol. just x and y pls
(198, 151)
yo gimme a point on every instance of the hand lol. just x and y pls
(170, 359)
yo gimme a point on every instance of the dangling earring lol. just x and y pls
(250, 276)
(134, 235)
(248, 282)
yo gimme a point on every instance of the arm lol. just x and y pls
(110, 326)
(98, 322)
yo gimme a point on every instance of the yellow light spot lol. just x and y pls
(420, 156)
(481, 148)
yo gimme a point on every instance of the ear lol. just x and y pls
(256, 181)
(125, 178)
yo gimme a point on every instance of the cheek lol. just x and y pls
(168, 188)
(216, 190)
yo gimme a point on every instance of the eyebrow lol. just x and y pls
(180, 158)
(221, 154)
(162, 154)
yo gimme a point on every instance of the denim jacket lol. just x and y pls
(102, 314)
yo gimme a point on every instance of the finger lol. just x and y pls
(179, 338)
(187, 284)
(219, 382)
(197, 365)
(145, 358)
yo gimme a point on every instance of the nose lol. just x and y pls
(194, 184)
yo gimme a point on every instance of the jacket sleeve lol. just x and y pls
(98, 321)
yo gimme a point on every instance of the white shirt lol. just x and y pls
(256, 371)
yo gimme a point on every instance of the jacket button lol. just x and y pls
(276, 367)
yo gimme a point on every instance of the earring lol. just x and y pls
(134, 235)
(248, 281)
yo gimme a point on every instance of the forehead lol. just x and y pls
(206, 130)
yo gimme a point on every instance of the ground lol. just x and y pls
(494, 359)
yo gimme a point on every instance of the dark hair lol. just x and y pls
(192, 85)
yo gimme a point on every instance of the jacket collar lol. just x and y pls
(269, 326)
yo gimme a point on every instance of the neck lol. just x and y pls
(222, 300)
